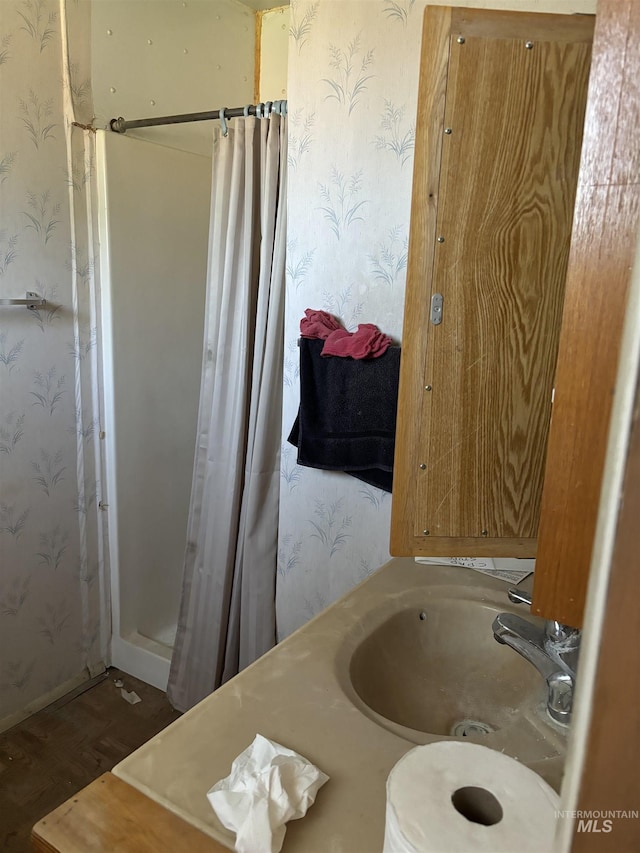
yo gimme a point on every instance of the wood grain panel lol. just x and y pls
(610, 779)
(603, 242)
(434, 60)
(477, 388)
(506, 205)
(486, 23)
(110, 815)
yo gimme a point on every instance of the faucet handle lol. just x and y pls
(561, 686)
(519, 596)
(557, 632)
(563, 636)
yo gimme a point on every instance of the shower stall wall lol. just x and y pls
(154, 216)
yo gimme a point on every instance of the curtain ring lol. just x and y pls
(260, 110)
(284, 108)
(223, 122)
(268, 109)
(246, 111)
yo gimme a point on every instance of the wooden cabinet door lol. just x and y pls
(604, 241)
(502, 102)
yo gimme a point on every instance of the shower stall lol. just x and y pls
(154, 215)
(152, 59)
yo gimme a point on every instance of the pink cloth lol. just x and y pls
(318, 324)
(367, 342)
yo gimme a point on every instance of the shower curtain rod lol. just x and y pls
(262, 110)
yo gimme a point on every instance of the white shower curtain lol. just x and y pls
(227, 612)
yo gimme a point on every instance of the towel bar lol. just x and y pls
(32, 301)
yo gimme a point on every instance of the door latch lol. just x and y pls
(436, 309)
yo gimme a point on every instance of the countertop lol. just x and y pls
(299, 695)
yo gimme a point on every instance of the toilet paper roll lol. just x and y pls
(456, 797)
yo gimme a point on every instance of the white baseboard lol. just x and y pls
(142, 658)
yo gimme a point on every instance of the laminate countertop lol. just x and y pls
(300, 695)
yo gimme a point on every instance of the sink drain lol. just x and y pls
(470, 728)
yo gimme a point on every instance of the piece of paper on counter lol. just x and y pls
(510, 570)
(268, 785)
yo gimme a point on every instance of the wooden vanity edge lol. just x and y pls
(109, 815)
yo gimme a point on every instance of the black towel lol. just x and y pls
(347, 415)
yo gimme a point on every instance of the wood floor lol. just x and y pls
(56, 752)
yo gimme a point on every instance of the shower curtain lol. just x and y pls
(227, 611)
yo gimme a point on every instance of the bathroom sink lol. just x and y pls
(439, 670)
(311, 693)
(427, 667)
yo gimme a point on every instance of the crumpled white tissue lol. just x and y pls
(268, 785)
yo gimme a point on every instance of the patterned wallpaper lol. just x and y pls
(353, 89)
(49, 556)
(353, 70)
(353, 77)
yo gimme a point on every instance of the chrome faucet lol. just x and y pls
(553, 650)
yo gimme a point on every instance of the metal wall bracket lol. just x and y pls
(436, 309)
(33, 301)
